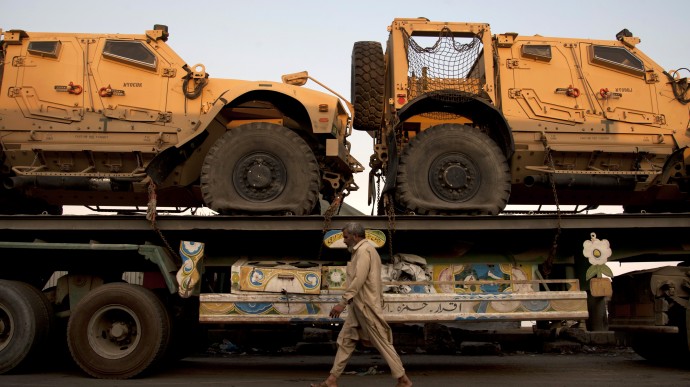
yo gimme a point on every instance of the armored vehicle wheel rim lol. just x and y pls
(260, 168)
(454, 177)
(452, 168)
(259, 177)
(113, 332)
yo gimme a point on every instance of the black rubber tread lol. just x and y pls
(153, 331)
(301, 192)
(666, 349)
(414, 191)
(185, 327)
(367, 85)
(30, 319)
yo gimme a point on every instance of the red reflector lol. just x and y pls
(323, 119)
(401, 99)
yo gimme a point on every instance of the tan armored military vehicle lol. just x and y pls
(100, 119)
(466, 121)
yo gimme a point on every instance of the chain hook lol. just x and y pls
(548, 264)
(151, 214)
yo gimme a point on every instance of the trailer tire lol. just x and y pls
(25, 324)
(260, 168)
(661, 348)
(453, 169)
(368, 73)
(185, 326)
(118, 331)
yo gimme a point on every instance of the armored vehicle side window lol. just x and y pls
(132, 52)
(618, 58)
(537, 51)
(49, 49)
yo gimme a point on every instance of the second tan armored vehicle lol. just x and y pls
(112, 119)
(467, 122)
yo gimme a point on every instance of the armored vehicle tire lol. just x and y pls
(367, 83)
(260, 168)
(118, 331)
(451, 168)
(25, 323)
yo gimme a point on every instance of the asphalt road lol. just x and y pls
(610, 368)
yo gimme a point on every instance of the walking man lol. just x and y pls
(364, 321)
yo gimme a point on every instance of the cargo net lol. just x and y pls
(447, 70)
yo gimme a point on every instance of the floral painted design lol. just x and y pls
(311, 281)
(188, 275)
(336, 278)
(598, 253)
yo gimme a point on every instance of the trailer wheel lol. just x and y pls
(184, 327)
(368, 72)
(118, 331)
(260, 168)
(661, 348)
(25, 324)
(452, 168)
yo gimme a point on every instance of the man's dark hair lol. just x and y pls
(354, 229)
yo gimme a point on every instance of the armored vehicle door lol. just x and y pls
(544, 80)
(50, 79)
(617, 79)
(129, 80)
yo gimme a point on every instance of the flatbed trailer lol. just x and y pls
(233, 270)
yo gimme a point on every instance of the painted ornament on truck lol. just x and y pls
(597, 252)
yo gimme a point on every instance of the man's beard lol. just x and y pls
(350, 249)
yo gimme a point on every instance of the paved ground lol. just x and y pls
(610, 367)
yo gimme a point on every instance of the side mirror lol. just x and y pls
(296, 79)
(299, 79)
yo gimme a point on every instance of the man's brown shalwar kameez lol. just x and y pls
(365, 314)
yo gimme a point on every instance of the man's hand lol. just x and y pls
(337, 310)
